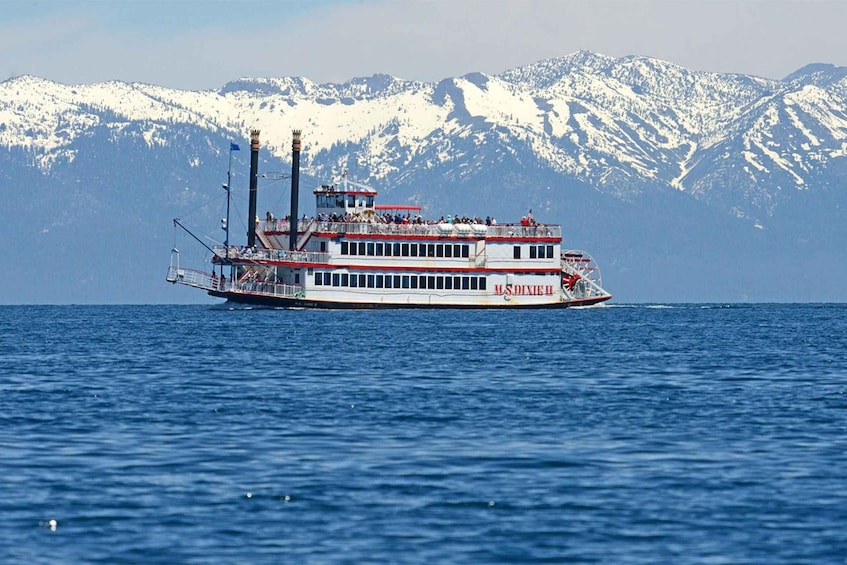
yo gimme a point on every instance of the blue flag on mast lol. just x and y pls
(234, 147)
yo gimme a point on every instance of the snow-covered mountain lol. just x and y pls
(685, 185)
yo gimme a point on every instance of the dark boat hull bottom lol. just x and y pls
(291, 302)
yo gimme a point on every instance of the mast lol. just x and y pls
(254, 180)
(295, 189)
(232, 147)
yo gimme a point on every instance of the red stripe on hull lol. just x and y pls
(286, 302)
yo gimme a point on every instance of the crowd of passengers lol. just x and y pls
(387, 218)
(404, 219)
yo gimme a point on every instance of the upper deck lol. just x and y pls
(349, 210)
(427, 230)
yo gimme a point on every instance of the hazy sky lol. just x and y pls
(196, 44)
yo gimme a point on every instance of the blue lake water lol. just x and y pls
(620, 434)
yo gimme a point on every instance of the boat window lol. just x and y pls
(327, 279)
(532, 251)
(369, 201)
(517, 252)
(448, 250)
(388, 250)
(379, 251)
(473, 283)
(351, 200)
(405, 249)
(457, 283)
(413, 247)
(466, 283)
(388, 280)
(431, 281)
(361, 248)
(361, 281)
(481, 283)
(319, 279)
(345, 248)
(448, 283)
(549, 251)
(405, 281)
(354, 281)
(396, 249)
(323, 247)
(430, 250)
(370, 249)
(413, 280)
(379, 281)
(396, 281)
(296, 278)
(465, 251)
(336, 279)
(439, 250)
(345, 279)
(370, 281)
(439, 283)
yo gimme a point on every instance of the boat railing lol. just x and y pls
(190, 277)
(376, 228)
(248, 254)
(517, 230)
(283, 226)
(306, 234)
(210, 281)
(432, 230)
(265, 288)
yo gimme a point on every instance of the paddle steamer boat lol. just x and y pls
(355, 253)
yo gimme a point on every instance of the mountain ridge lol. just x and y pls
(583, 132)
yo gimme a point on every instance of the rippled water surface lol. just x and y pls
(622, 434)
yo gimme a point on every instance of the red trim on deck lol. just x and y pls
(523, 239)
(397, 237)
(402, 269)
(445, 269)
(445, 238)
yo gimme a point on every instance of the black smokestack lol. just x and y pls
(295, 188)
(254, 180)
